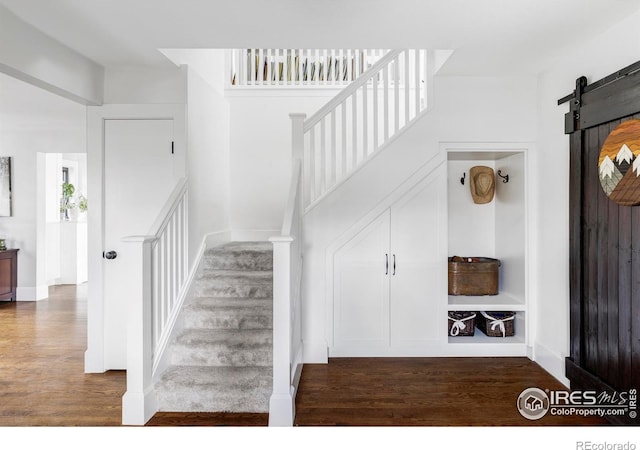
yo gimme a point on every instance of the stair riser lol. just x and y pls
(218, 357)
(197, 400)
(228, 320)
(211, 288)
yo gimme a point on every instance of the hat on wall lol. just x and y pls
(482, 184)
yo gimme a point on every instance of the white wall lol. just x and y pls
(144, 85)
(594, 58)
(33, 122)
(207, 161)
(261, 155)
(466, 109)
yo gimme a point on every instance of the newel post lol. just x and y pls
(281, 404)
(138, 403)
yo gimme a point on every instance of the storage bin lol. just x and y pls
(462, 323)
(473, 275)
(497, 323)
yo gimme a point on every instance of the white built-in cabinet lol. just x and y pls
(388, 278)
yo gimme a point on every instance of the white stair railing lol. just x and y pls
(361, 119)
(293, 67)
(157, 284)
(287, 277)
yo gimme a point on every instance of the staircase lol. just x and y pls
(221, 360)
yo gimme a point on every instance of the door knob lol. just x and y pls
(109, 255)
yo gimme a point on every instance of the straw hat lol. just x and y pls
(482, 182)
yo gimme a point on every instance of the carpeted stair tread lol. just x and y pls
(232, 283)
(223, 347)
(208, 389)
(228, 313)
(240, 256)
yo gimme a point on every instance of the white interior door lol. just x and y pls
(417, 222)
(138, 179)
(361, 290)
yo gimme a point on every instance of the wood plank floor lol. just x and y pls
(42, 379)
(42, 382)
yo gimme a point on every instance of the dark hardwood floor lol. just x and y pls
(42, 382)
(42, 379)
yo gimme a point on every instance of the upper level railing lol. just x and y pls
(158, 285)
(299, 67)
(360, 119)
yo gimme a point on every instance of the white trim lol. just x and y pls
(550, 361)
(30, 294)
(96, 117)
(315, 352)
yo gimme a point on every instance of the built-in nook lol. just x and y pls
(497, 229)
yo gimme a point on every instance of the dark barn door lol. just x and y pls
(604, 245)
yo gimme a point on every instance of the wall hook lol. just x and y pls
(464, 175)
(505, 178)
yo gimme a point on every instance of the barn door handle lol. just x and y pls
(394, 264)
(386, 264)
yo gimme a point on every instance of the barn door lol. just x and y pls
(604, 242)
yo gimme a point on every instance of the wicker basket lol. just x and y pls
(462, 323)
(497, 323)
(473, 276)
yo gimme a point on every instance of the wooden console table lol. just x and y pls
(8, 274)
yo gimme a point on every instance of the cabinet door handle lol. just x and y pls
(386, 264)
(394, 264)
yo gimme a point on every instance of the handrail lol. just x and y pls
(349, 90)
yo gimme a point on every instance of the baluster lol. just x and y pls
(154, 294)
(396, 90)
(365, 117)
(312, 164)
(386, 101)
(343, 153)
(375, 112)
(269, 63)
(318, 70)
(323, 157)
(356, 59)
(406, 87)
(354, 129)
(252, 66)
(333, 147)
(417, 80)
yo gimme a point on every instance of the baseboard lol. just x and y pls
(552, 362)
(30, 294)
(315, 352)
(253, 235)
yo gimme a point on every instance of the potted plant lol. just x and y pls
(82, 204)
(68, 190)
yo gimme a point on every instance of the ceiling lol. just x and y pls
(490, 36)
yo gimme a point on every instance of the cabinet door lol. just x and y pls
(418, 247)
(361, 289)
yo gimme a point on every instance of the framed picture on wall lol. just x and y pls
(5, 186)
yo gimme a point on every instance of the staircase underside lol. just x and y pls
(221, 361)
